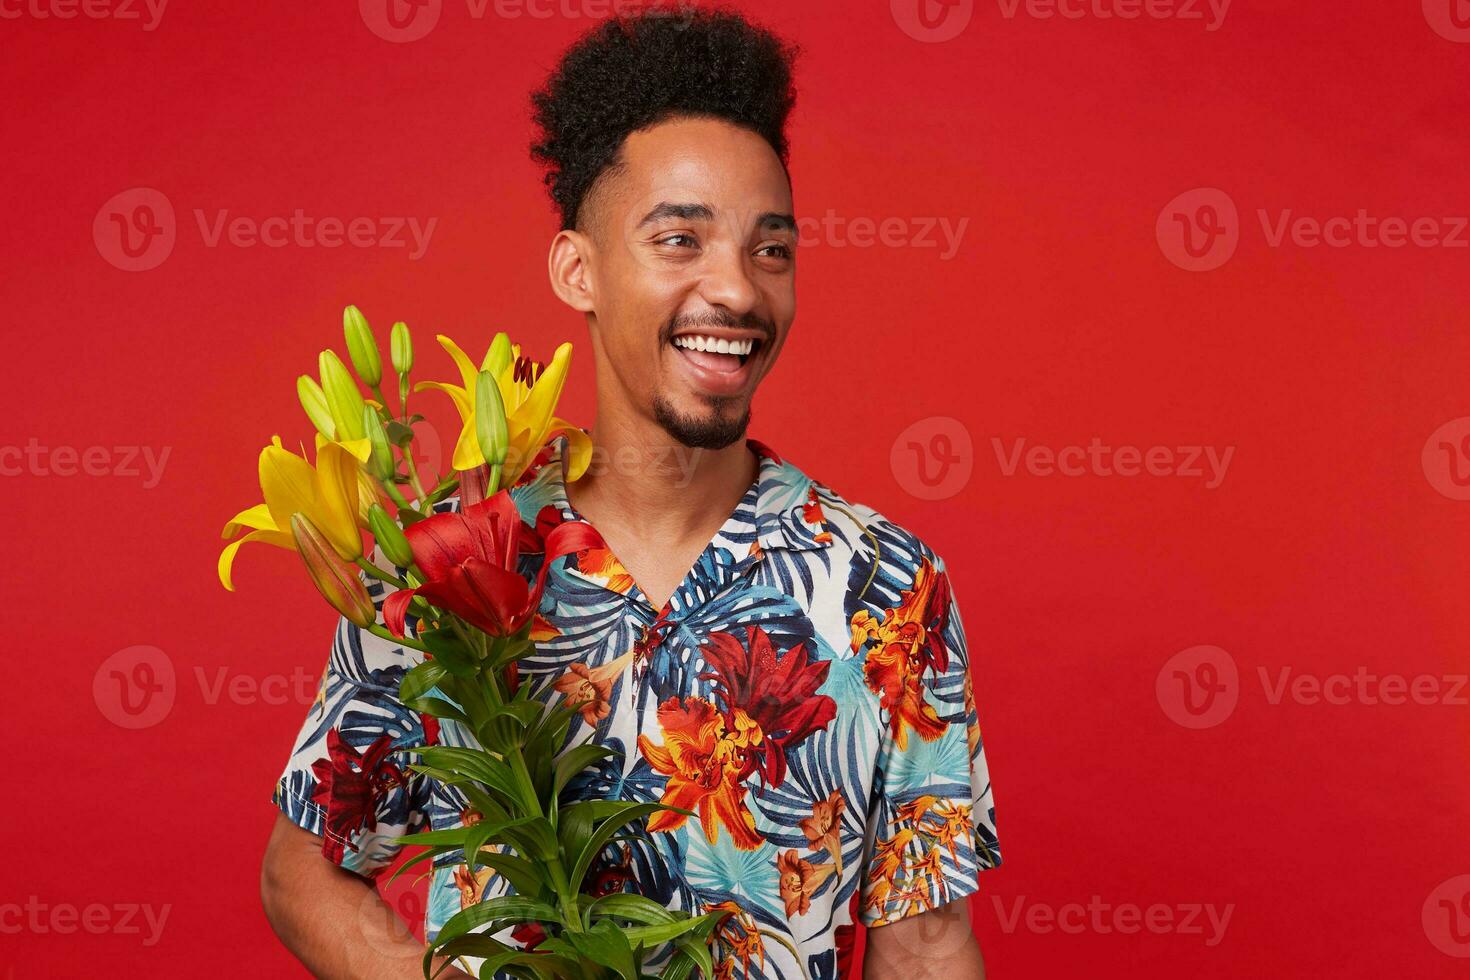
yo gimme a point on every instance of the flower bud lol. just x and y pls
(390, 537)
(499, 356)
(400, 348)
(333, 576)
(381, 461)
(491, 430)
(343, 397)
(314, 400)
(361, 346)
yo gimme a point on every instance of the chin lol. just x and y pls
(711, 426)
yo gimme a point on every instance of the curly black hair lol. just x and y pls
(633, 71)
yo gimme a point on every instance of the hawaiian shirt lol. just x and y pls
(806, 692)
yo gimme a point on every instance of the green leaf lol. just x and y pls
(514, 907)
(574, 760)
(603, 944)
(574, 826)
(478, 797)
(428, 854)
(634, 908)
(604, 831)
(438, 707)
(524, 876)
(661, 933)
(450, 651)
(420, 680)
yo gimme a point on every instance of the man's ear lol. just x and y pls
(570, 267)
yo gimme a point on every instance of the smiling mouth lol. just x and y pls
(716, 354)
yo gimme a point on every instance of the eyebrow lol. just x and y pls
(702, 212)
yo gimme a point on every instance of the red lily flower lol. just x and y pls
(470, 558)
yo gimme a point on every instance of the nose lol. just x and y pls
(726, 282)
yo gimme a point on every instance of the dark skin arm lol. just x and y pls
(934, 945)
(332, 920)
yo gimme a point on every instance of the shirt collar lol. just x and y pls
(785, 509)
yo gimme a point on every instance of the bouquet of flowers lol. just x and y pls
(463, 604)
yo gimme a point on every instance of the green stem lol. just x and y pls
(413, 471)
(385, 633)
(378, 573)
(397, 497)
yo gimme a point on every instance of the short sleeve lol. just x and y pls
(344, 782)
(931, 823)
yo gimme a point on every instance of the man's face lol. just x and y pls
(694, 247)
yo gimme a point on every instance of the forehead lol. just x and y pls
(705, 161)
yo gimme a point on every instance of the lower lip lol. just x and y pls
(716, 382)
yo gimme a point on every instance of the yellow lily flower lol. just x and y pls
(530, 398)
(326, 493)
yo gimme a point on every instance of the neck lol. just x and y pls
(644, 481)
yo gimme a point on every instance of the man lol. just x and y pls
(788, 665)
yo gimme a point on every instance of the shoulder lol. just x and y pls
(859, 530)
(867, 527)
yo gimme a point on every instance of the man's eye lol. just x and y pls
(678, 240)
(776, 250)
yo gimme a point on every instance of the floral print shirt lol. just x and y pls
(806, 692)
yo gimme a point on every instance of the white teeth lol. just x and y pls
(714, 344)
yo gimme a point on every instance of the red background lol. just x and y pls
(1325, 549)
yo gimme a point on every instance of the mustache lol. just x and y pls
(717, 318)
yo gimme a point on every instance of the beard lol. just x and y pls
(713, 431)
